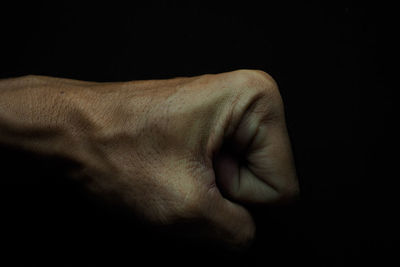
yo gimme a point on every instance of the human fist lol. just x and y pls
(184, 151)
(193, 150)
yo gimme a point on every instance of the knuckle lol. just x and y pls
(261, 87)
(258, 83)
(255, 79)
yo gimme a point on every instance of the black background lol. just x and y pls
(334, 63)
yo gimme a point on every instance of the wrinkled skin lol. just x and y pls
(190, 151)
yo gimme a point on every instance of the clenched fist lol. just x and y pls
(191, 151)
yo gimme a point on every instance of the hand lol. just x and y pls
(181, 151)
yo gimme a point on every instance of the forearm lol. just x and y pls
(41, 114)
(69, 118)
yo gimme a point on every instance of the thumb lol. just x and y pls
(230, 222)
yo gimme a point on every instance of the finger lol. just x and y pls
(256, 165)
(270, 159)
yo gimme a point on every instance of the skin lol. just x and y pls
(188, 151)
